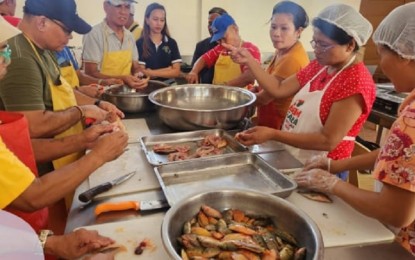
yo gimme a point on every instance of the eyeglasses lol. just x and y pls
(323, 47)
(63, 27)
(5, 54)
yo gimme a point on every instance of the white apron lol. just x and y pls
(303, 115)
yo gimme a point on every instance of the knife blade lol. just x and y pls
(91, 193)
(126, 205)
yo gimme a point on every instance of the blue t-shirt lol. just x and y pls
(162, 56)
(65, 58)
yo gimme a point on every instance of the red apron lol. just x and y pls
(15, 133)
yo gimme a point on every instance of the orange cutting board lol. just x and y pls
(130, 233)
(131, 160)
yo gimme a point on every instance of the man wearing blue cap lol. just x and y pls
(226, 72)
(206, 75)
(33, 85)
(110, 50)
(52, 107)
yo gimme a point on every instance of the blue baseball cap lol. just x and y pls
(63, 11)
(220, 25)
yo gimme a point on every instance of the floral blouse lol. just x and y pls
(396, 162)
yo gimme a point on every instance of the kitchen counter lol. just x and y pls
(82, 215)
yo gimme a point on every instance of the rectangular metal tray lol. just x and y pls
(242, 170)
(186, 138)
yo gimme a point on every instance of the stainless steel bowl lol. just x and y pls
(283, 213)
(202, 106)
(130, 100)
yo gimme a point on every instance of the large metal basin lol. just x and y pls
(284, 214)
(130, 100)
(202, 106)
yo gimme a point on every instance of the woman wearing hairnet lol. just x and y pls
(393, 203)
(333, 94)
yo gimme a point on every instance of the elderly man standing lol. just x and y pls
(109, 49)
(52, 107)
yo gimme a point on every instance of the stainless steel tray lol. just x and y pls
(186, 138)
(242, 170)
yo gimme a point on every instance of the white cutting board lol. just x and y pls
(136, 128)
(131, 160)
(131, 232)
(340, 224)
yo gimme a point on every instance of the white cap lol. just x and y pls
(120, 2)
(7, 30)
(132, 9)
(397, 31)
(349, 20)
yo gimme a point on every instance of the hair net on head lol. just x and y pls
(349, 20)
(397, 30)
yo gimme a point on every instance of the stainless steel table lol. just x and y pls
(83, 215)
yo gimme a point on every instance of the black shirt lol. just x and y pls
(206, 75)
(162, 56)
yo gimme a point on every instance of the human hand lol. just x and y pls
(255, 135)
(76, 244)
(92, 90)
(94, 112)
(239, 55)
(135, 82)
(91, 134)
(111, 81)
(108, 147)
(109, 107)
(319, 162)
(317, 179)
(192, 78)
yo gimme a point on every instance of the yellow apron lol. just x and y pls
(116, 63)
(70, 75)
(225, 70)
(63, 97)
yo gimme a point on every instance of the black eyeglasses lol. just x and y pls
(63, 27)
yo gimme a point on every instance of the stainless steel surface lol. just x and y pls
(83, 214)
(185, 138)
(94, 191)
(130, 100)
(122, 178)
(284, 214)
(153, 204)
(202, 106)
(243, 171)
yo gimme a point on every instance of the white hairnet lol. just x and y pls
(349, 20)
(397, 30)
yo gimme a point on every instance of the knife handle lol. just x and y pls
(116, 206)
(89, 194)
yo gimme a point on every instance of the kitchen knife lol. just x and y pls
(89, 194)
(126, 205)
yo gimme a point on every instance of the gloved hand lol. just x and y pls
(319, 162)
(317, 179)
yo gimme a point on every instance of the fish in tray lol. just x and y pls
(210, 145)
(169, 148)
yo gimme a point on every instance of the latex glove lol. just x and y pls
(316, 179)
(319, 162)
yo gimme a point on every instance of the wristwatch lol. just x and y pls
(43, 236)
